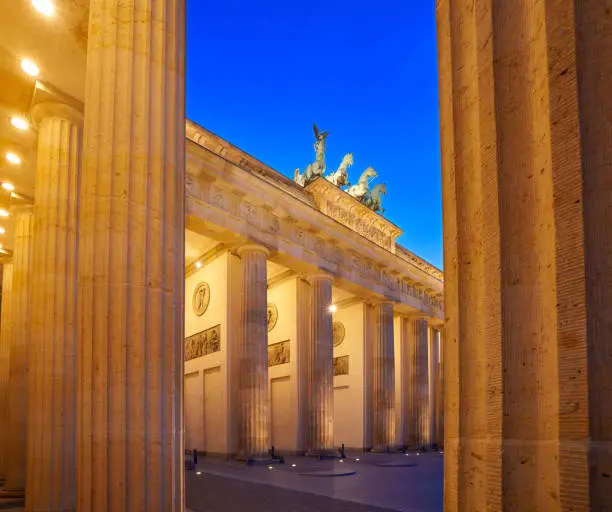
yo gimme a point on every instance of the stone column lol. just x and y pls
(432, 385)
(16, 441)
(418, 410)
(383, 380)
(439, 438)
(527, 161)
(52, 368)
(254, 354)
(5, 350)
(320, 368)
(131, 279)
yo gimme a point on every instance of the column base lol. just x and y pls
(384, 449)
(323, 454)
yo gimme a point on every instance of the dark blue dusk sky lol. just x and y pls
(259, 74)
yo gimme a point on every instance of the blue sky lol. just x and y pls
(259, 74)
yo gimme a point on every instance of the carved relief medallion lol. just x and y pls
(338, 333)
(201, 298)
(279, 353)
(272, 316)
(341, 365)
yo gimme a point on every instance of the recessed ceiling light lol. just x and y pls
(30, 67)
(4, 213)
(20, 123)
(8, 186)
(198, 264)
(333, 308)
(13, 158)
(2, 231)
(45, 7)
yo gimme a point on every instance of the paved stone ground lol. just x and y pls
(380, 483)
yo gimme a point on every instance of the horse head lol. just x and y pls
(347, 161)
(368, 173)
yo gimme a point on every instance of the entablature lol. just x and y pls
(231, 204)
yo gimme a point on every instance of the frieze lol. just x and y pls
(279, 353)
(203, 343)
(345, 209)
(341, 365)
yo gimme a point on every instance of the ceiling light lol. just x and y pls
(45, 7)
(8, 186)
(13, 158)
(333, 308)
(198, 264)
(4, 213)
(20, 123)
(30, 67)
(2, 230)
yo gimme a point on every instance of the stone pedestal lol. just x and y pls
(383, 380)
(131, 259)
(525, 109)
(52, 368)
(253, 386)
(15, 449)
(5, 350)
(320, 368)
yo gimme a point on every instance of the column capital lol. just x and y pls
(248, 248)
(56, 109)
(321, 276)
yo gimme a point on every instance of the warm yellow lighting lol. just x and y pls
(270, 467)
(4, 213)
(333, 308)
(20, 123)
(293, 465)
(198, 473)
(13, 158)
(2, 230)
(357, 460)
(45, 7)
(8, 186)
(198, 264)
(30, 67)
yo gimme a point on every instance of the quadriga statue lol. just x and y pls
(317, 168)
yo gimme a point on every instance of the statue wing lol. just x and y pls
(316, 131)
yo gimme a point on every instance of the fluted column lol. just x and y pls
(525, 109)
(432, 384)
(5, 350)
(18, 368)
(254, 352)
(52, 368)
(418, 410)
(383, 382)
(131, 259)
(320, 367)
(439, 436)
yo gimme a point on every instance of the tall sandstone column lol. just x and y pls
(16, 442)
(5, 350)
(320, 368)
(527, 166)
(418, 410)
(52, 365)
(131, 259)
(432, 385)
(254, 352)
(383, 380)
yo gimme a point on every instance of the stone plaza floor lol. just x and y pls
(375, 482)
